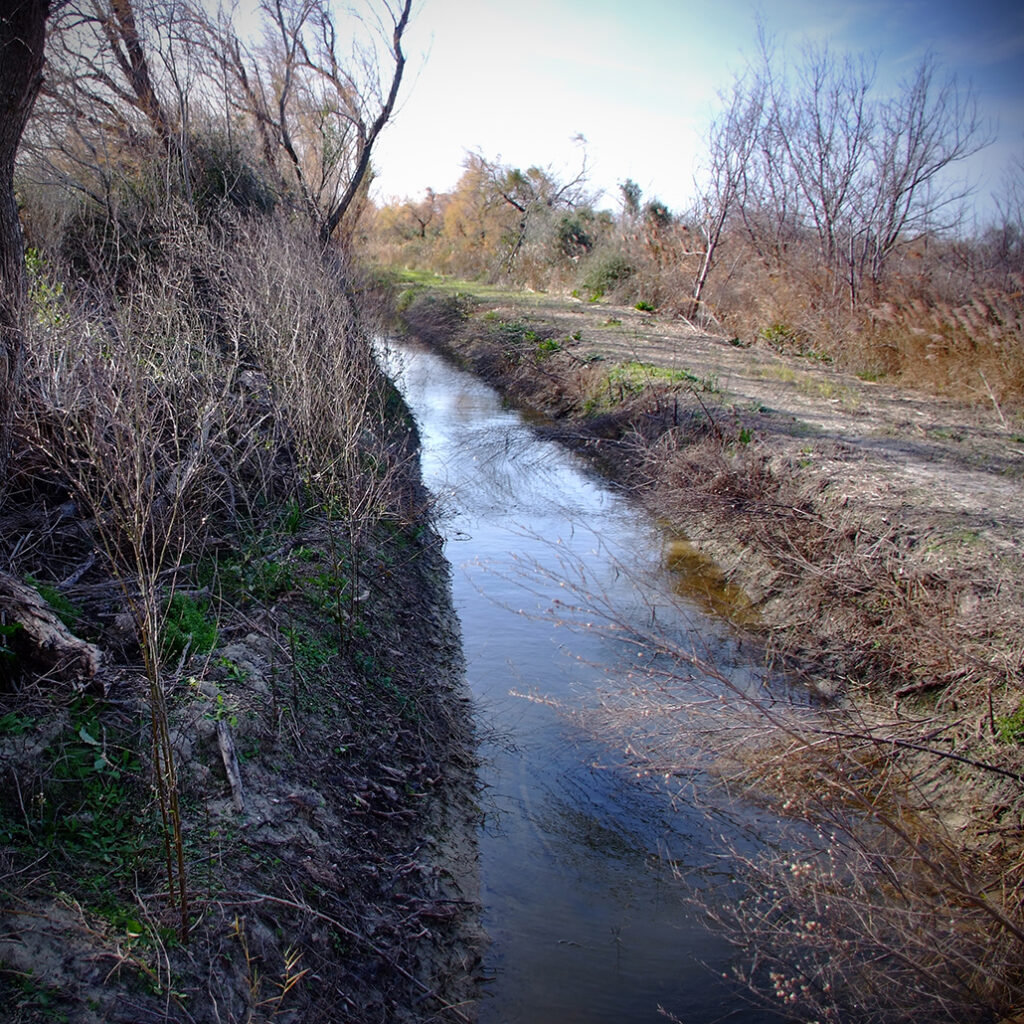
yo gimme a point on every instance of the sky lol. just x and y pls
(520, 80)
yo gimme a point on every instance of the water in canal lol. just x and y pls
(579, 858)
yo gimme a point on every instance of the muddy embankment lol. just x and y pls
(325, 764)
(871, 535)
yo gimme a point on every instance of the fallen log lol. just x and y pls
(41, 641)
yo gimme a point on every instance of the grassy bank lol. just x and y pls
(877, 557)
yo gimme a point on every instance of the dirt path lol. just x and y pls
(909, 453)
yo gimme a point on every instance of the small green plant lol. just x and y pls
(291, 520)
(310, 652)
(547, 346)
(1010, 728)
(604, 273)
(46, 298)
(516, 332)
(188, 626)
(220, 712)
(251, 574)
(66, 611)
(779, 334)
(13, 724)
(84, 812)
(645, 307)
(745, 436)
(235, 672)
(42, 1000)
(8, 655)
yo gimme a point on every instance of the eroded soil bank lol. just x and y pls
(870, 534)
(333, 880)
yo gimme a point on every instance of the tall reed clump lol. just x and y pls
(176, 394)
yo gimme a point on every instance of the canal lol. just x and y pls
(586, 866)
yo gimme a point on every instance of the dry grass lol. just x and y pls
(179, 406)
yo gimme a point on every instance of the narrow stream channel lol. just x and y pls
(587, 920)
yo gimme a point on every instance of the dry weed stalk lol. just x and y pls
(337, 409)
(265, 1008)
(131, 407)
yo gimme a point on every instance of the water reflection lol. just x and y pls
(579, 857)
(701, 581)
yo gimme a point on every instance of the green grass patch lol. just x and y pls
(625, 380)
(87, 810)
(1010, 728)
(637, 373)
(67, 611)
(15, 724)
(188, 624)
(311, 652)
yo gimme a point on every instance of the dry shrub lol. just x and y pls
(973, 349)
(176, 402)
(234, 369)
(898, 902)
(966, 341)
(867, 905)
(310, 327)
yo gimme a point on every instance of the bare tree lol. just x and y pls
(22, 40)
(530, 193)
(922, 132)
(102, 65)
(815, 153)
(121, 75)
(732, 145)
(1003, 243)
(314, 106)
(823, 133)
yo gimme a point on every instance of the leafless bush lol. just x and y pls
(232, 371)
(131, 408)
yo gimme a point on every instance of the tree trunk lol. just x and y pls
(22, 37)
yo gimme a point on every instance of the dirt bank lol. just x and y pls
(332, 879)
